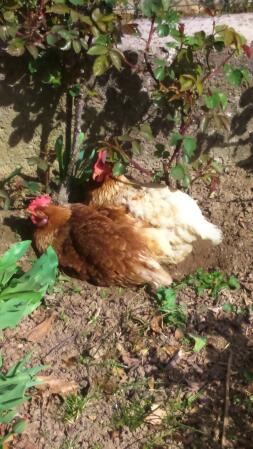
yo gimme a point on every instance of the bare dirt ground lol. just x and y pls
(126, 363)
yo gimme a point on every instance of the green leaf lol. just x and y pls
(78, 17)
(118, 169)
(228, 308)
(199, 342)
(233, 76)
(13, 387)
(101, 64)
(8, 261)
(160, 73)
(58, 9)
(178, 172)
(24, 294)
(175, 138)
(233, 282)
(33, 50)
(116, 58)
(81, 138)
(146, 131)
(19, 426)
(53, 78)
(189, 146)
(78, 2)
(97, 50)
(16, 47)
(76, 46)
(75, 90)
(215, 100)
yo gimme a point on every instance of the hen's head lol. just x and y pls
(36, 210)
(101, 170)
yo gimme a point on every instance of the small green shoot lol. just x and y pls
(132, 415)
(74, 405)
(199, 342)
(13, 388)
(173, 313)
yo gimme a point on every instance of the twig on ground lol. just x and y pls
(226, 403)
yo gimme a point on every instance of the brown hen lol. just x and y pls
(102, 245)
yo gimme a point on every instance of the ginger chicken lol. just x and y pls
(173, 220)
(103, 245)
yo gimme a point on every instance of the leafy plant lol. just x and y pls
(70, 43)
(213, 282)
(21, 294)
(173, 313)
(14, 385)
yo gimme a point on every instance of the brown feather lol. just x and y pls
(103, 245)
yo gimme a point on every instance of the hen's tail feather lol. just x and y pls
(154, 273)
(209, 231)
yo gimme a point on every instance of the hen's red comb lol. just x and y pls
(40, 201)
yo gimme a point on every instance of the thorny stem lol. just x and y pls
(148, 43)
(72, 150)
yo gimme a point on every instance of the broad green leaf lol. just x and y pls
(76, 16)
(97, 50)
(8, 261)
(215, 100)
(178, 172)
(233, 282)
(199, 342)
(16, 47)
(19, 426)
(160, 73)
(233, 76)
(118, 169)
(58, 9)
(76, 46)
(116, 58)
(101, 64)
(81, 138)
(24, 294)
(189, 146)
(75, 90)
(146, 131)
(175, 138)
(78, 2)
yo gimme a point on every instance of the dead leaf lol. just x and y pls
(156, 415)
(119, 372)
(156, 324)
(7, 442)
(40, 331)
(126, 357)
(179, 334)
(54, 385)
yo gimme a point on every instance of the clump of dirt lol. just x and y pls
(114, 345)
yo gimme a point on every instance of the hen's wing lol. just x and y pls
(113, 250)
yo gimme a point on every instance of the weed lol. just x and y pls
(13, 388)
(212, 282)
(173, 313)
(132, 415)
(68, 444)
(74, 405)
(63, 316)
